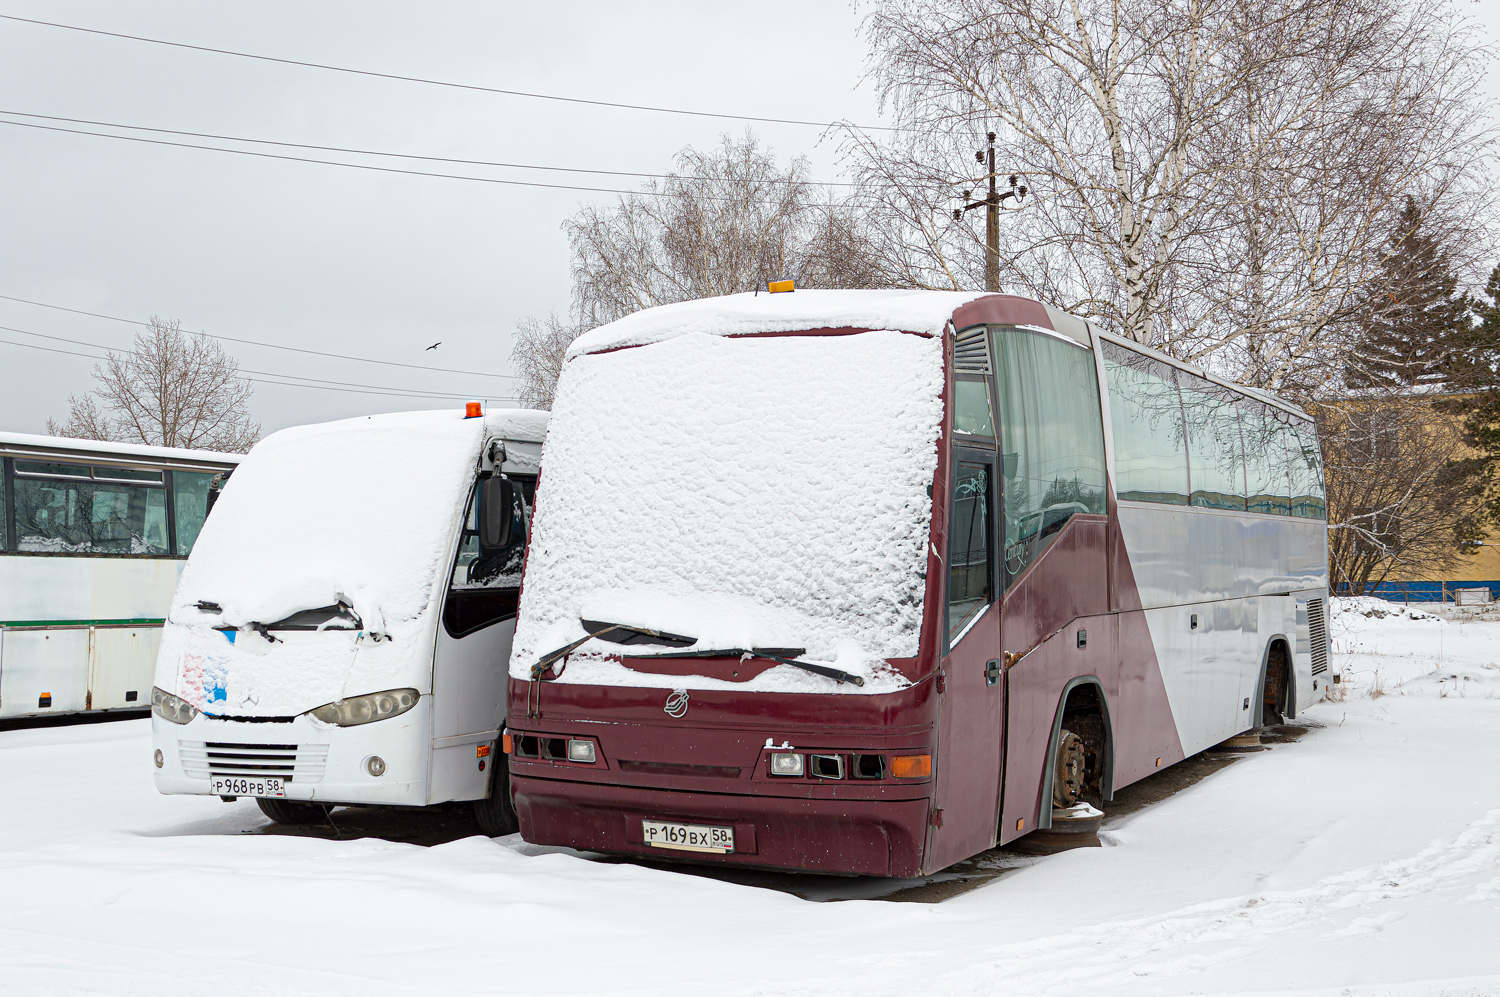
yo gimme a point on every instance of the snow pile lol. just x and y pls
(1387, 649)
(751, 313)
(745, 492)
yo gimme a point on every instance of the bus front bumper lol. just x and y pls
(317, 762)
(838, 836)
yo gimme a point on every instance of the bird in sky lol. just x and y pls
(434, 346)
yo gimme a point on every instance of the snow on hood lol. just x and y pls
(746, 492)
(360, 510)
(799, 311)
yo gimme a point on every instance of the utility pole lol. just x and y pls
(991, 204)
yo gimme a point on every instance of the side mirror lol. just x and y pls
(497, 502)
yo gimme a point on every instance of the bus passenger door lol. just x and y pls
(966, 801)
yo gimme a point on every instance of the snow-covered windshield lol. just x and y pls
(749, 492)
(361, 511)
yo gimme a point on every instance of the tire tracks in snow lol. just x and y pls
(1156, 946)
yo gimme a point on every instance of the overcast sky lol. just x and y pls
(349, 261)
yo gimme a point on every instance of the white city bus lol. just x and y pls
(341, 630)
(92, 539)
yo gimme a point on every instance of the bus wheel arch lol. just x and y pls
(1081, 727)
(1276, 693)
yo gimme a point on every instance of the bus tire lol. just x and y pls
(495, 816)
(290, 811)
(1069, 770)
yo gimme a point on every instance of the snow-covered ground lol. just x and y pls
(1363, 859)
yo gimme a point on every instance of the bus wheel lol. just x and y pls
(1068, 771)
(289, 811)
(495, 816)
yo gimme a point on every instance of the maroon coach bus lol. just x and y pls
(869, 582)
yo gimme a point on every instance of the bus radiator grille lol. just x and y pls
(292, 762)
(1317, 632)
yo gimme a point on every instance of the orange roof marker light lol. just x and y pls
(778, 286)
(473, 410)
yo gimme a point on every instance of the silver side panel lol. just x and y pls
(1244, 579)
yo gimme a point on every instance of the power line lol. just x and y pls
(357, 166)
(252, 342)
(411, 155)
(314, 382)
(443, 83)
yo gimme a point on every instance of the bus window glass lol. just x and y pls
(971, 406)
(1146, 416)
(1267, 486)
(470, 571)
(1216, 455)
(968, 546)
(1308, 500)
(1053, 436)
(190, 504)
(62, 516)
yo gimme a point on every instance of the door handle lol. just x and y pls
(992, 672)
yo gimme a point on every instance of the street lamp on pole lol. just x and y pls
(991, 204)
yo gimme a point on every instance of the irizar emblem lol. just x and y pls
(677, 703)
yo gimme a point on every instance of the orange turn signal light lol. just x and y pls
(506, 745)
(911, 766)
(482, 751)
(779, 286)
(473, 410)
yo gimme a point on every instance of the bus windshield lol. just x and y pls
(750, 492)
(360, 512)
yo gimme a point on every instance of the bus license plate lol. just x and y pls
(688, 837)
(246, 786)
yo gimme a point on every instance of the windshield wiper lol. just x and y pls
(782, 655)
(616, 633)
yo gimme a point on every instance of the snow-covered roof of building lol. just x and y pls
(750, 313)
(93, 447)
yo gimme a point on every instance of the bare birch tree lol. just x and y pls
(171, 390)
(1213, 177)
(724, 220)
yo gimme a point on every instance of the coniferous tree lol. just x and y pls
(1415, 330)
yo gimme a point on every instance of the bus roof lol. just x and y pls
(28, 443)
(798, 311)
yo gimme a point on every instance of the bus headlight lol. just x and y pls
(367, 709)
(786, 763)
(170, 708)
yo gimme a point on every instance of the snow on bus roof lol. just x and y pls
(524, 424)
(91, 447)
(359, 509)
(749, 313)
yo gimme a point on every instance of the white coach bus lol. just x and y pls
(341, 630)
(92, 539)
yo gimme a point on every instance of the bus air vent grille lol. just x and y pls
(301, 763)
(1317, 632)
(971, 351)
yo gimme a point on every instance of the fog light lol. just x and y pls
(580, 751)
(375, 766)
(159, 758)
(786, 763)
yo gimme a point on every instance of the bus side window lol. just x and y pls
(1269, 484)
(1216, 453)
(1052, 434)
(1308, 499)
(190, 500)
(969, 585)
(1146, 416)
